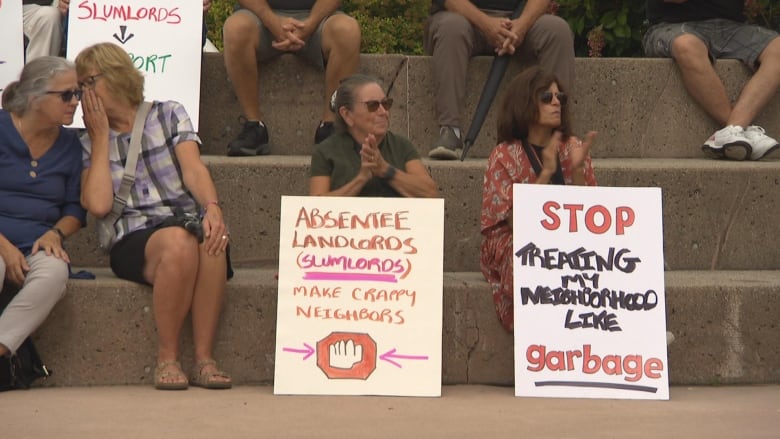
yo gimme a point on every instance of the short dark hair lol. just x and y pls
(519, 107)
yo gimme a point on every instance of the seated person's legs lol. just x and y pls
(43, 28)
(691, 45)
(451, 41)
(44, 286)
(242, 35)
(551, 42)
(759, 49)
(340, 47)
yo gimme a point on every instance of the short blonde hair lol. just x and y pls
(116, 68)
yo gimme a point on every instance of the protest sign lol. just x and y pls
(360, 296)
(162, 39)
(12, 49)
(590, 314)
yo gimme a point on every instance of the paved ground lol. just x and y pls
(461, 412)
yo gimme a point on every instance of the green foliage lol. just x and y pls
(219, 12)
(763, 13)
(390, 26)
(605, 27)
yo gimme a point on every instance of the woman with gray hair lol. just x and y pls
(364, 158)
(40, 171)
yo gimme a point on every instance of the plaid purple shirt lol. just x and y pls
(158, 186)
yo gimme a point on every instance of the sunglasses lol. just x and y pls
(372, 106)
(89, 81)
(546, 97)
(66, 95)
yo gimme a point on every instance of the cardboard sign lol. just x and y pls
(590, 314)
(360, 296)
(12, 37)
(161, 37)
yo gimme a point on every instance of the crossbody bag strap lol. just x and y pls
(120, 198)
(557, 178)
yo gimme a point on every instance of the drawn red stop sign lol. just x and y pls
(361, 370)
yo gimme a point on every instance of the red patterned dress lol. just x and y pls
(508, 164)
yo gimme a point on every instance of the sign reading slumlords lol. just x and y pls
(162, 39)
(360, 296)
(590, 314)
(12, 47)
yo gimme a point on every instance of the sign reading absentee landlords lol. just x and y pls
(360, 296)
(590, 314)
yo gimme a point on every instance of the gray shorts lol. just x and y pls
(311, 51)
(724, 39)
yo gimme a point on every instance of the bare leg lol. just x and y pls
(207, 306)
(760, 89)
(171, 267)
(700, 78)
(241, 39)
(341, 50)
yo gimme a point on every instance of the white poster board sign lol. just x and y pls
(12, 38)
(161, 37)
(590, 314)
(360, 296)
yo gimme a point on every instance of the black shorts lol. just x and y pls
(128, 255)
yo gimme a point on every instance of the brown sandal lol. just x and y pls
(207, 379)
(161, 376)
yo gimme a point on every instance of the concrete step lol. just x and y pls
(638, 105)
(103, 333)
(131, 412)
(717, 214)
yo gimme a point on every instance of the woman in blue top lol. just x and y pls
(40, 170)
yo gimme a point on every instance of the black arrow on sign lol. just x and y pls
(122, 39)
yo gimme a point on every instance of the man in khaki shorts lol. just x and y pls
(695, 33)
(263, 29)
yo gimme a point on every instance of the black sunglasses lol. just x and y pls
(66, 95)
(372, 106)
(546, 97)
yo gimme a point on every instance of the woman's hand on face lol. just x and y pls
(215, 233)
(15, 265)
(95, 118)
(51, 243)
(580, 151)
(550, 152)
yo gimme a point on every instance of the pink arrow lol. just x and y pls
(308, 351)
(390, 355)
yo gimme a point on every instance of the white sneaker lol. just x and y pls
(760, 142)
(729, 142)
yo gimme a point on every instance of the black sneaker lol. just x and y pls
(252, 140)
(323, 132)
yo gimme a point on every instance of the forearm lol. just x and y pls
(531, 12)
(322, 9)
(467, 9)
(97, 189)
(260, 8)
(414, 185)
(578, 176)
(320, 186)
(68, 225)
(198, 181)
